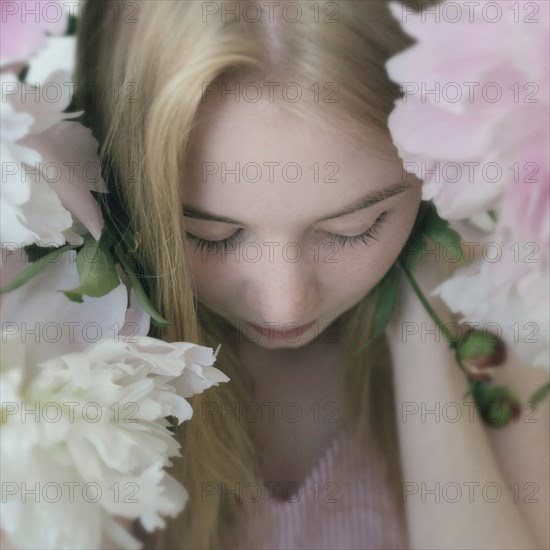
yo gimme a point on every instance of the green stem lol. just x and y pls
(540, 394)
(36, 267)
(452, 341)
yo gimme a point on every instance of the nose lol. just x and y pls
(283, 291)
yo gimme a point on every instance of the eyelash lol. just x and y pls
(213, 247)
(370, 234)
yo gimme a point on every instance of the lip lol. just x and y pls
(290, 333)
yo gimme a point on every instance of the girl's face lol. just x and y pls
(289, 226)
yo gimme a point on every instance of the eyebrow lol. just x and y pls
(369, 200)
(365, 202)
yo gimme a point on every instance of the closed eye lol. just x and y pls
(214, 247)
(372, 233)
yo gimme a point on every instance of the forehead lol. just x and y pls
(260, 164)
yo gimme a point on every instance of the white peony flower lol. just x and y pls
(96, 444)
(48, 323)
(84, 440)
(517, 311)
(59, 54)
(49, 166)
(16, 186)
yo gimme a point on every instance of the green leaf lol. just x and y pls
(96, 269)
(36, 267)
(428, 224)
(126, 246)
(416, 242)
(385, 300)
(414, 251)
(142, 297)
(439, 231)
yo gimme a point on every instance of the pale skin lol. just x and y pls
(515, 457)
(327, 281)
(271, 289)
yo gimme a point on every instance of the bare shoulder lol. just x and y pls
(532, 425)
(523, 445)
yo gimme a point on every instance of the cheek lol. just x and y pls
(362, 267)
(361, 270)
(206, 276)
(216, 281)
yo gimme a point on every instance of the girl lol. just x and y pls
(248, 143)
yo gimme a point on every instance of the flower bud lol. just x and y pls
(508, 408)
(497, 405)
(481, 354)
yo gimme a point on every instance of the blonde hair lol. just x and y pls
(163, 61)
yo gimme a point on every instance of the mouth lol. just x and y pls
(291, 332)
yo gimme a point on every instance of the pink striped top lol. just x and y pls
(343, 503)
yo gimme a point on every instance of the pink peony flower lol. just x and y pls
(473, 125)
(25, 25)
(449, 129)
(526, 214)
